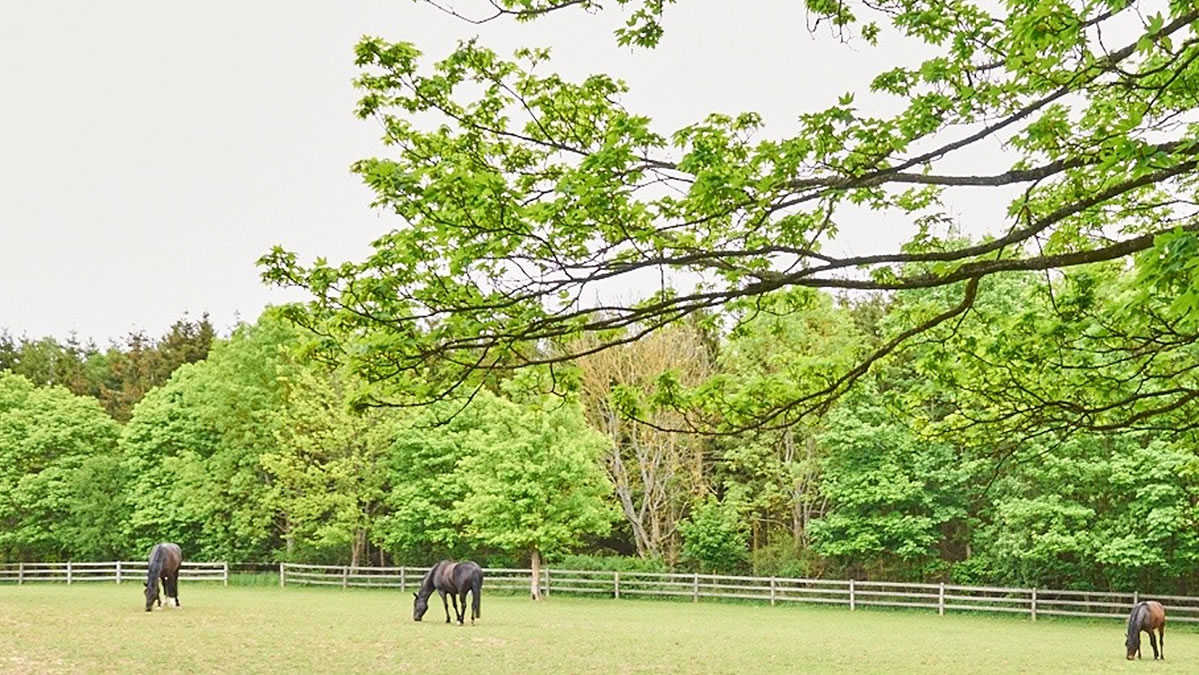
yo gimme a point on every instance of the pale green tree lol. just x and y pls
(532, 480)
(327, 477)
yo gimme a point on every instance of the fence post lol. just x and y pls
(282, 576)
(851, 598)
(20, 573)
(345, 577)
(226, 567)
(403, 581)
(118, 572)
(695, 588)
(1034, 603)
(772, 591)
(68, 572)
(941, 599)
(1136, 597)
(616, 583)
(547, 582)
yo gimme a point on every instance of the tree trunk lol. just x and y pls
(535, 582)
(357, 548)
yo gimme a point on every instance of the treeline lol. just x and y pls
(253, 451)
(118, 375)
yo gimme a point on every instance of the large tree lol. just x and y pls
(50, 442)
(519, 190)
(531, 477)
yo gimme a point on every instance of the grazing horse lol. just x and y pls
(165, 559)
(455, 578)
(1146, 616)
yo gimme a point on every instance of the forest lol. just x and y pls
(247, 448)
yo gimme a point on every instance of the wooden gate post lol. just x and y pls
(772, 591)
(941, 599)
(118, 572)
(282, 576)
(1034, 603)
(695, 589)
(851, 598)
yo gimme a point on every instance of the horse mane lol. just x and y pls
(426, 584)
(158, 558)
(1134, 626)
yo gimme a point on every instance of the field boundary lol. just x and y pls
(119, 571)
(850, 593)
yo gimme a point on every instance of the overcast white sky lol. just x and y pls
(151, 151)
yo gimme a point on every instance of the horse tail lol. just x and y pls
(476, 587)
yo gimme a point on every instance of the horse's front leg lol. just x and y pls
(1153, 643)
(447, 606)
(462, 614)
(164, 590)
(175, 589)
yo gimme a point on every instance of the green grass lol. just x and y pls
(103, 628)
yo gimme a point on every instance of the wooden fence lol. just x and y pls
(119, 571)
(942, 598)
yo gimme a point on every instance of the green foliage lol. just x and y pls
(118, 376)
(518, 190)
(58, 482)
(715, 537)
(192, 450)
(892, 496)
(422, 460)
(1116, 511)
(613, 563)
(531, 476)
(326, 473)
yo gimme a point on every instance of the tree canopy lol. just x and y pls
(518, 191)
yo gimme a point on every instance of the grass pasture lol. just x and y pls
(103, 628)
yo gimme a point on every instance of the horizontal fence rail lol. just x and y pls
(1031, 602)
(116, 571)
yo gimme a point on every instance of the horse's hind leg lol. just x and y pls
(1161, 640)
(175, 589)
(447, 606)
(1153, 643)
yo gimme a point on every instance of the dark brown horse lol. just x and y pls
(165, 559)
(1146, 616)
(455, 578)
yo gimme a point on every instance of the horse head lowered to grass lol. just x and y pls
(456, 579)
(165, 559)
(1146, 616)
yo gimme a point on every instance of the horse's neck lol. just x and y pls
(429, 583)
(1137, 619)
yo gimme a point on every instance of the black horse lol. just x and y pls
(165, 559)
(455, 578)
